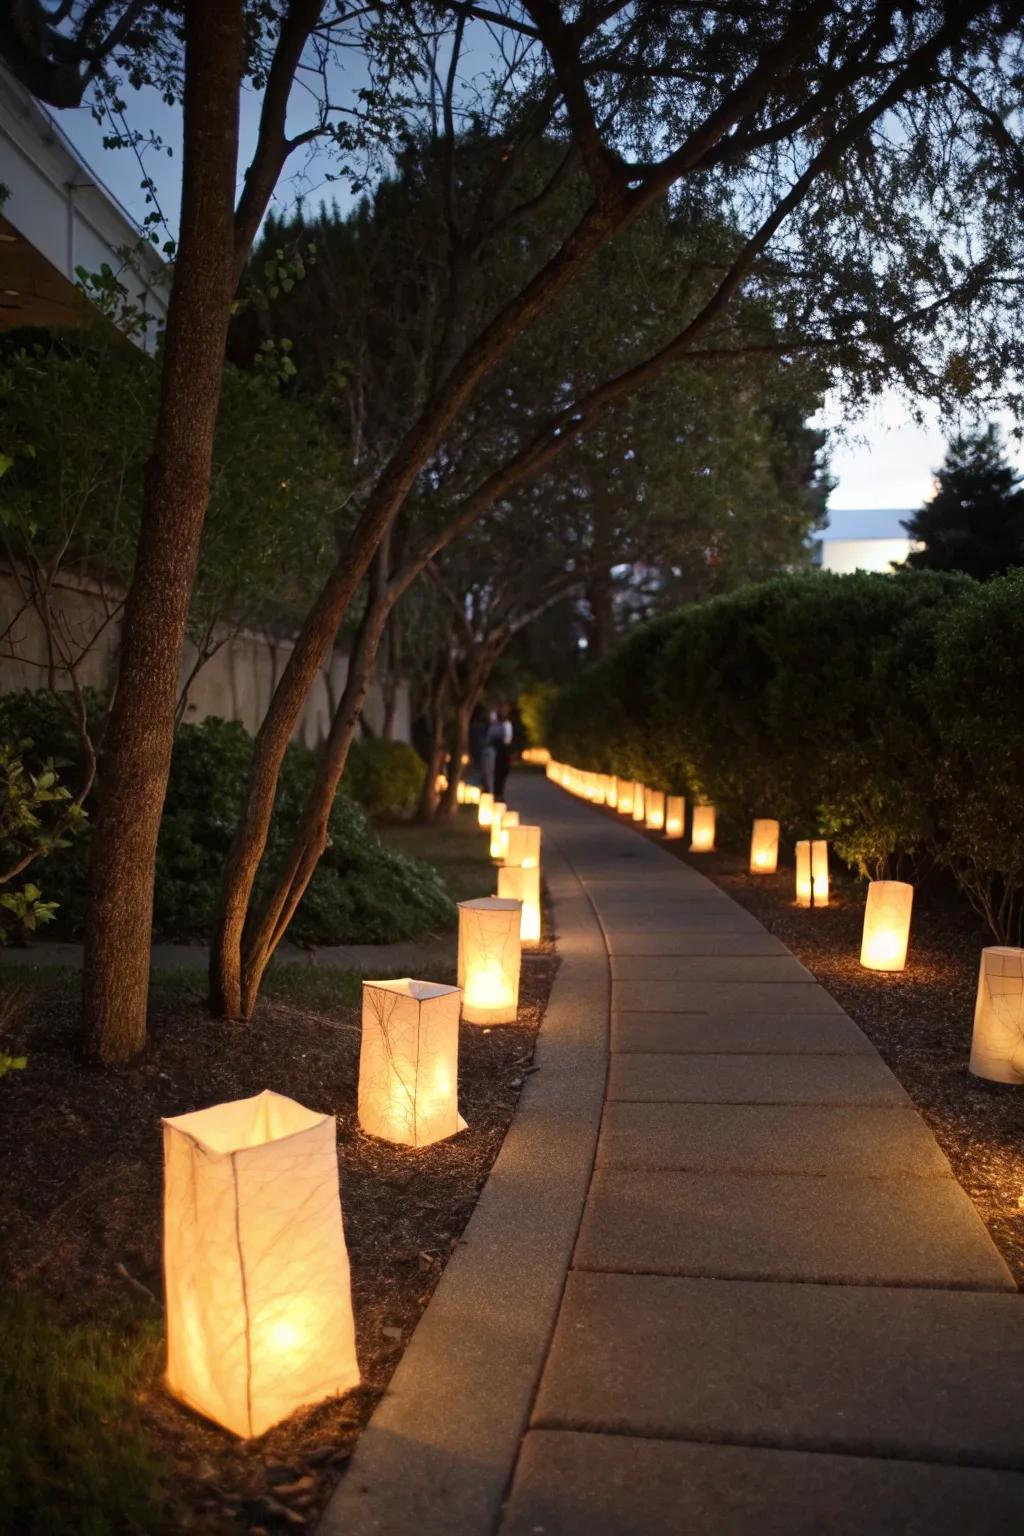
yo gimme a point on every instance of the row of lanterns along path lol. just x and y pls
(997, 1046)
(259, 1308)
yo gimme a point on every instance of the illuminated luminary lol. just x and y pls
(259, 1307)
(997, 1046)
(675, 816)
(539, 755)
(654, 809)
(489, 959)
(497, 812)
(485, 808)
(509, 819)
(523, 847)
(639, 801)
(461, 789)
(441, 783)
(702, 833)
(472, 794)
(886, 925)
(409, 1062)
(521, 882)
(804, 889)
(612, 796)
(764, 847)
(625, 805)
(819, 871)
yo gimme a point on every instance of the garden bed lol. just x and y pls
(80, 1242)
(919, 1020)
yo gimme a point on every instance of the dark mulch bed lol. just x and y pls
(919, 1019)
(80, 1218)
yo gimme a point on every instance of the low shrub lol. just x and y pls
(882, 710)
(383, 776)
(362, 891)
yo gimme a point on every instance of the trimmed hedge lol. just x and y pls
(884, 711)
(362, 891)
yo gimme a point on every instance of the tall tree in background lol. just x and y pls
(975, 521)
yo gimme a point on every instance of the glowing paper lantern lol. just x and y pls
(497, 812)
(675, 816)
(639, 800)
(409, 1062)
(612, 796)
(489, 959)
(764, 847)
(654, 807)
(997, 1046)
(886, 925)
(703, 830)
(259, 1308)
(804, 889)
(486, 808)
(819, 872)
(461, 792)
(625, 805)
(472, 794)
(521, 882)
(523, 847)
(509, 819)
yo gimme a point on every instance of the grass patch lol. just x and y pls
(74, 1460)
(459, 851)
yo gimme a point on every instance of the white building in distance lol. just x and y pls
(872, 539)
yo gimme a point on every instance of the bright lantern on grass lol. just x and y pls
(675, 816)
(703, 831)
(489, 959)
(486, 808)
(625, 805)
(886, 925)
(259, 1307)
(409, 1062)
(654, 808)
(523, 847)
(497, 812)
(639, 801)
(764, 847)
(521, 882)
(997, 1046)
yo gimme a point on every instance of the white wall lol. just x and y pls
(845, 555)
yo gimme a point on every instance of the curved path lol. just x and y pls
(721, 1281)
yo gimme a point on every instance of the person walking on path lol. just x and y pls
(500, 735)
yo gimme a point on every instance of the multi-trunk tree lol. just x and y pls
(864, 158)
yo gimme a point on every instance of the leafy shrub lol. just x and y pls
(534, 706)
(362, 891)
(973, 695)
(882, 710)
(384, 776)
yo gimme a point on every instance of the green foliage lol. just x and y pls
(362, 891)
(38, 815)
(74, 1457)
(975, 521)
(880, 710)
(383, 776)
(534, 705)
(973, 698)
(79, 417)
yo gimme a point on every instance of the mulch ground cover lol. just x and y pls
(919, 1020)
(80, 1218)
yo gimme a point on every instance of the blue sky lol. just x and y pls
(881, 459)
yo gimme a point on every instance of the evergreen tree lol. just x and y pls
(975, 521)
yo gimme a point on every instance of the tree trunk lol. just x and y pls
(392, 677)
(140, 731)
(270, 924)
(479, 675)
(427, 804)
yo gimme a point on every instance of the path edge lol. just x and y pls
(438, 1454)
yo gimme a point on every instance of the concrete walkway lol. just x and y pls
(781, 1315)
